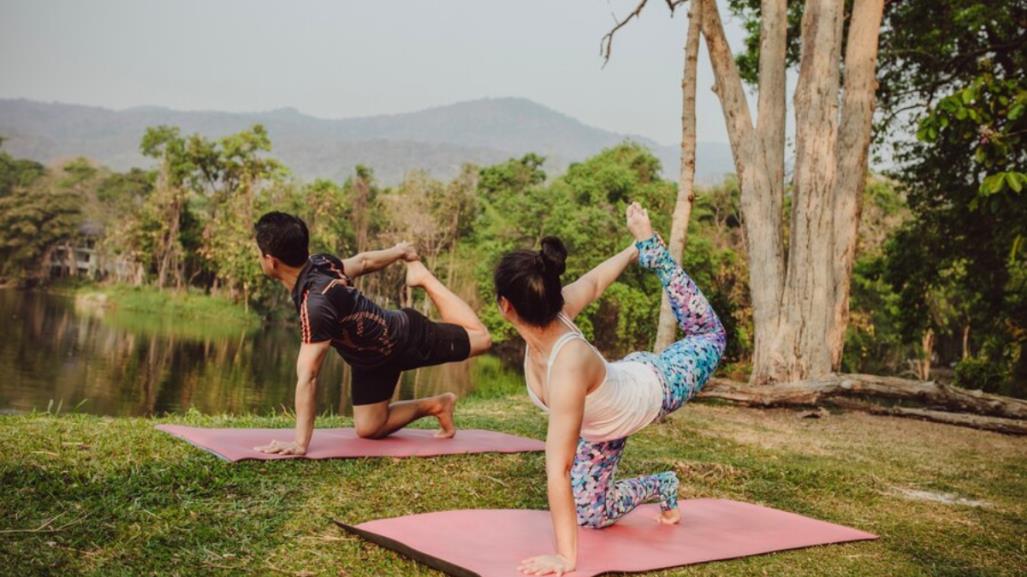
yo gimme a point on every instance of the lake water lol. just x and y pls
(55, 353)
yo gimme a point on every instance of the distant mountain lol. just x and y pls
(438, 140)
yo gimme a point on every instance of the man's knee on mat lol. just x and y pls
(369, 429)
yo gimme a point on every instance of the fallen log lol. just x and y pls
(997, 424)
(935, 401)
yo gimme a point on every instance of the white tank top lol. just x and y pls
(627, 400)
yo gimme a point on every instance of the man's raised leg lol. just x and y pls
(451, 307)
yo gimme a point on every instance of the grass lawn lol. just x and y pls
(119, 498)
(190, 304)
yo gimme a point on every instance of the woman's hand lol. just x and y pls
(638, 222)
(546, 565)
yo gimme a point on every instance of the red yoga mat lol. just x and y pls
(491, 543)
(237, 444)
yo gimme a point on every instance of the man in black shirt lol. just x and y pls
(377, 343)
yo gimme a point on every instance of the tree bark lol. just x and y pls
(996, 424)
(772, 107)
(800, 303)
(923, 369)
(800, 347)
(666, 331)
(360, 210)
(966, 341)
(762, 224)
(854, 135)
(928, 395)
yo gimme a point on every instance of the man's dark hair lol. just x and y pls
(284, 237)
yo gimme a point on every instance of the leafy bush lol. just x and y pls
(980, 372)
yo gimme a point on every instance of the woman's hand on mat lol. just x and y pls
(282, 448)
(638, 222)
(546, 565)
(407, 250)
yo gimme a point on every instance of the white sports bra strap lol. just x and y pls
(563, 340)
(568, 323)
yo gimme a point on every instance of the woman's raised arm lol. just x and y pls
(582, 292)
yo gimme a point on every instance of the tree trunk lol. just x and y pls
(71, 258)
(928, 395)
(996, 424)
(361, 197)
(800, 305)
(923, 369)
(666, 331)
(966, 341)
(854, 135)
(800, 345)
(167, 245)
(762, 222)
(452, 249)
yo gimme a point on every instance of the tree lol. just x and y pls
(667, 327)
(584, 207)
(955, 74)
(41, 210)
(16, 173)
(164, 214)
(800, 290)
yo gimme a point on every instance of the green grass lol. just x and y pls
(497, 381)
(124, 499)
(145, 308)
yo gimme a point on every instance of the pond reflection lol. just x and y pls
(112, 362)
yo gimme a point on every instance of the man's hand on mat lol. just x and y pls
(408, 250)
(638, 222)
(282, 448)
(546, 565)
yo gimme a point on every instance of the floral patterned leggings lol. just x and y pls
(684, 368)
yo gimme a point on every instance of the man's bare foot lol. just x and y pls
(443, 411)
(671, 517)
(417, 274)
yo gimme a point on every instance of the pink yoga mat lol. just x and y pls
(491, 543)
(237, 444)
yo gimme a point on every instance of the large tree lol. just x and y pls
(800, 285)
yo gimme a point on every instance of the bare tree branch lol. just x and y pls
(606, 44)
(672, 4)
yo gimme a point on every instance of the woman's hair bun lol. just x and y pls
(554, 256)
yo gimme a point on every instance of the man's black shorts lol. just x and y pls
(428, 343)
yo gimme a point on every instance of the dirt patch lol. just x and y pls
(936, 497)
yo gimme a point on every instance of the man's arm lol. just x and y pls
(308, 365)
(370, 261)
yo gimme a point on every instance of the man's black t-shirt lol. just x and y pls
(330, 309)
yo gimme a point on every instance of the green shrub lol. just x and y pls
(980, 372)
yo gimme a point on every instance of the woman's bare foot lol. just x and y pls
(671, 517)
(417, 273)
(638, 222)
(443, 411)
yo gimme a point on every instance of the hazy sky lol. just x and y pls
(345, 58)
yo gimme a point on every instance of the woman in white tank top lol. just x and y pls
(593, 404)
